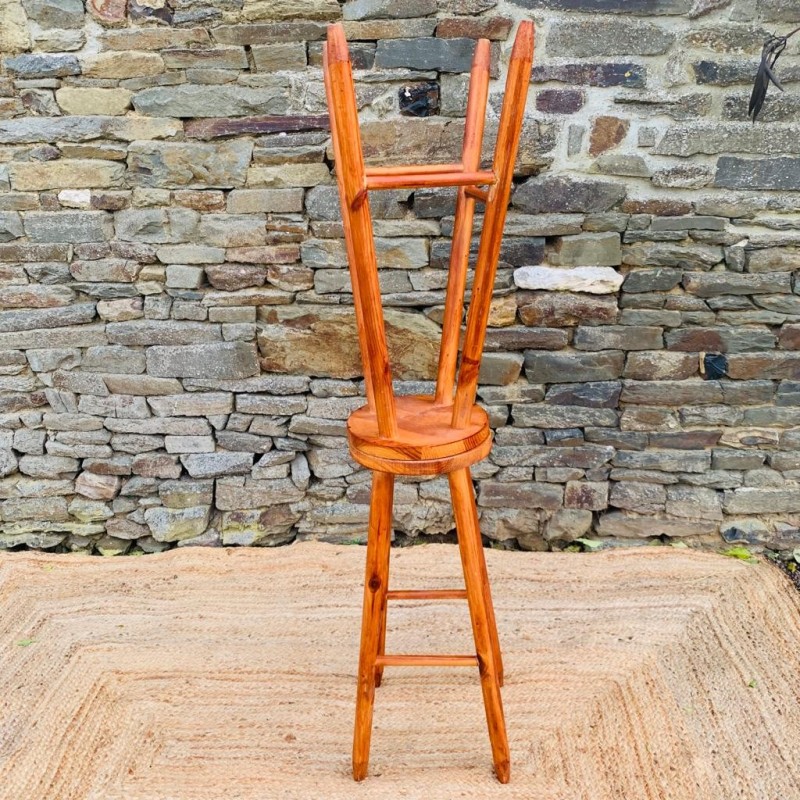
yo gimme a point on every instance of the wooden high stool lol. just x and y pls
(427, 435)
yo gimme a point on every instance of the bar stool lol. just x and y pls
(447, 432)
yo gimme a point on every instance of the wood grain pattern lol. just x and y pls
(422, 180)
(375, 588)
(469, 543)
(494, 217)
(358, 226)
(462, 227)
(426, 435)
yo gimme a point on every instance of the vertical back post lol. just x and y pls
(494, 218)
(357, 221)
(462, 226)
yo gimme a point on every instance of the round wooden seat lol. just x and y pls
(425, 443)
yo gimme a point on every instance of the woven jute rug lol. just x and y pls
(225, 674)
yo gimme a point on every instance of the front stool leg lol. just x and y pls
(469, 543)
(375, 586)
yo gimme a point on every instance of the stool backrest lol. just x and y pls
(355, 180)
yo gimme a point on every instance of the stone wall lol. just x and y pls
(178, 345)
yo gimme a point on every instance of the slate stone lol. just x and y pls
(175, 165)
(517, 338)
(688, 223)
(593, 394)
(192, 100)
(749, 500)
(724, 339)
(78, 336)
(589, 38)
(766, 173)
(10, 226)
(444, 55)
(25, 130)
(26, 319)
(587, 495)
(560, 101)
(493, 28)
(560, 309)
(166, 332)
(723, 73)
(173, 524)
(224, 360)
(494, 494)
(712, 284)
(664, 460)
(387, 9)
(589, 249)
(546, 194)
(643, 7)
(618, 337)
(41, 65)
(652, 280)
(55, 13)
(550, 416)
(644, 498)
(666, 254)
(216, 127)
(573, 367)
(69, 226)
(671, 393)
(156, 225)
(728, 137)
(625, 74)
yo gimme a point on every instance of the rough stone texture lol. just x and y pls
(175, 294)
(594, 280)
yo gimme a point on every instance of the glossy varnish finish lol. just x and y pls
(427, 435)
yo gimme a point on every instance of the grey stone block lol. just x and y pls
(607, 37)
(444, 55)
(42, 65)
(69, 226)
(225, 360)
(194, 101)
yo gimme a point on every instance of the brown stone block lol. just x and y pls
(562, 309)
(750, 366)
(213, 127)
(269, 254)
(495, 28)
(607, 133)
(560, 101)
(660, 208)
(685, 440)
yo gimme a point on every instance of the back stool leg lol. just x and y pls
(487, 593)
(382, 624)
(469, 544)
(375, 586)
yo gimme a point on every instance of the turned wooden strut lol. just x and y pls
(427, 435)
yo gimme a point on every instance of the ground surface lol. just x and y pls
(206, 674)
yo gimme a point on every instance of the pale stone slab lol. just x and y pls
(593, 280)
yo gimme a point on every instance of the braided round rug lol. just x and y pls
(229, 674)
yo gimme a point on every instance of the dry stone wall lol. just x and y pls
(177, 345)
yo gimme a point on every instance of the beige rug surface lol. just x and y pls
(229, 674)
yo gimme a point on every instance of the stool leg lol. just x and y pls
(382, 634)
(487, 592)
(466, 515)
(375, 586)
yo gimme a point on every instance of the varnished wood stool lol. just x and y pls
(427, 435)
